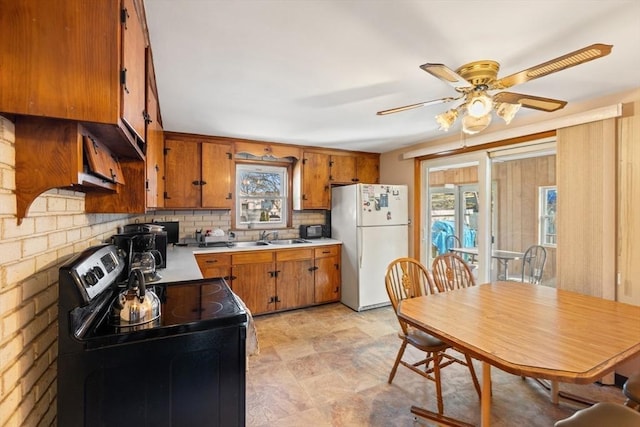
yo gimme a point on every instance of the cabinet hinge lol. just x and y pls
(304, 161)
(229, 156)
(330, 177)
(123, 79)
(229, 196)
(166, 195)
(146, 185)
(124, 15)
(330, 163)
(166, 151)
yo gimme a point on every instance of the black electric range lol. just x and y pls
(184, 368)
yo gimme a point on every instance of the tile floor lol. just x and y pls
(328, 366)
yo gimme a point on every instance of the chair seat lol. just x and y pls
(602, 414)
(631, 388)
(424, 341)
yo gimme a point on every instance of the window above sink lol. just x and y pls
(262, 195)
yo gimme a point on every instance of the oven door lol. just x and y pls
(192, 379)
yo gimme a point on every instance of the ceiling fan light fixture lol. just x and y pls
(446, 119)
(472, 125)
(479, 105)
(507, 111)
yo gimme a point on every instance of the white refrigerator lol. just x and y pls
(372, 221)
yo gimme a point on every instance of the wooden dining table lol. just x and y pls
(529, 330)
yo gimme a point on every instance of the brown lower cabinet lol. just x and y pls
(277, 280)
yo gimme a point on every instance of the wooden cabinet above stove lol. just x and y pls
(78, 60)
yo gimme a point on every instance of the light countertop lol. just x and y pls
(182, 265)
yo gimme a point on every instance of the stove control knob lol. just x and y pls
(98, 272)
(91, 278)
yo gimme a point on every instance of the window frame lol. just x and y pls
(285, 167)
(544, 217)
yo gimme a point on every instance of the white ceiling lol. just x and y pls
(315, 72)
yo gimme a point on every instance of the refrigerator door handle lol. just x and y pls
(359, 246)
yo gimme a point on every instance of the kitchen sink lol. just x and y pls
(287, 241)
(250, 244)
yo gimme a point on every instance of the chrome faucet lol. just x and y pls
(264, 234)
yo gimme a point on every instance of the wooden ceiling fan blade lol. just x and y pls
(412, 106)
(563, 62)
(529, 101)
(447, 75)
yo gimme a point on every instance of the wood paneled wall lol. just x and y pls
(629, 207)
(458, 176)
(586, 179)
(517, 183)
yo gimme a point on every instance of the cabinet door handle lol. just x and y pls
(274, 273)
(326, 252)
(337, 266)
(195, 182)
(211, 261)
(229, 196)
(314, 268)
(203, 182)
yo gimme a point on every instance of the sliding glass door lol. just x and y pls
(453, 208)
(498, 202)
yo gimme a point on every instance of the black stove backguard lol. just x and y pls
(186, 369)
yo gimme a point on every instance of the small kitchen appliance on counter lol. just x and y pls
(315, 231)
(138, 251)
(162, 355)
(160, 238)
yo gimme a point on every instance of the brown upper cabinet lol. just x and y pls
(198, 173)
(311, 182)
(154, 184)
(351, 169)
(78, 60)
(144, 188)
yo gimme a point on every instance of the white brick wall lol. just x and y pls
(30, 254)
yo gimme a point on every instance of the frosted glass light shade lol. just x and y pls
(507, 111)
(472, 125)
(446, 119)
(479, 105)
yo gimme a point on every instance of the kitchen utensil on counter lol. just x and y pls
(136, 305)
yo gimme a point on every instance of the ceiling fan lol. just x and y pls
(474, 81)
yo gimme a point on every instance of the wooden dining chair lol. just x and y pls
(407, 278)
(450, 272)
